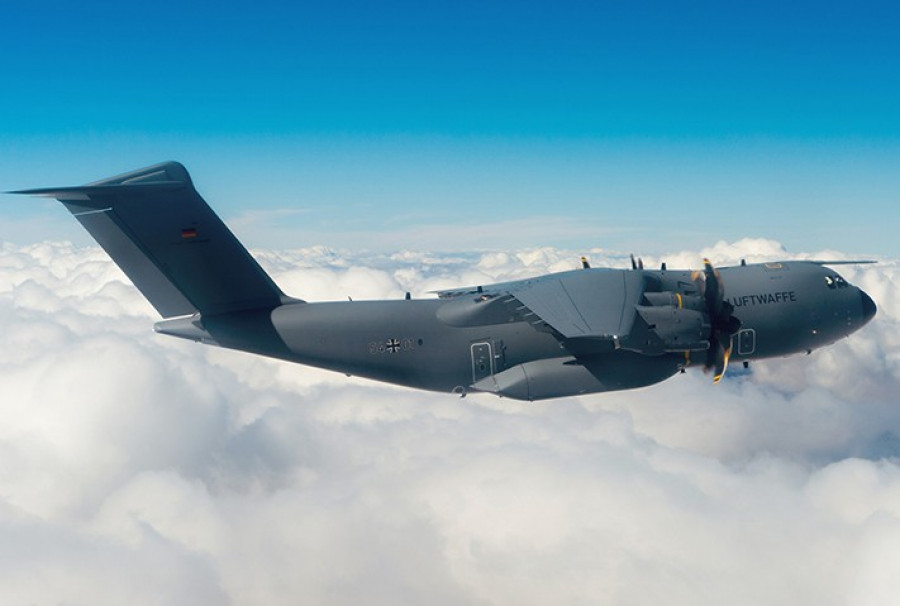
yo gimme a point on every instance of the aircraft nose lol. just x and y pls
(868, 306)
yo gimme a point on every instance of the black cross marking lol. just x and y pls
(392, 345)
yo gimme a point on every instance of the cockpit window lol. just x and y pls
(835, 281)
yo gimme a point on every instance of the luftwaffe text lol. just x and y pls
(764, 299)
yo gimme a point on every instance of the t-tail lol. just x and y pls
(170, 243)
(181, 256)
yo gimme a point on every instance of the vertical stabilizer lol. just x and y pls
(169, 242)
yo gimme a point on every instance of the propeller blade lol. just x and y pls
(722, 356)
(715, 290)
(723, 324)
(731, 325)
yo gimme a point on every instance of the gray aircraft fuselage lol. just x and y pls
(577, 332)
(785, 308)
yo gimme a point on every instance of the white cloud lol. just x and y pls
(145, 470)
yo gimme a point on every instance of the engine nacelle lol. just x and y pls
(677, 300)
(668, 329)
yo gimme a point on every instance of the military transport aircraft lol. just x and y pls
(577, 332)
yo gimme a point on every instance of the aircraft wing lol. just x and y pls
(596, 304)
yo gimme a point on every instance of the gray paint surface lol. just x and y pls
(577, 332)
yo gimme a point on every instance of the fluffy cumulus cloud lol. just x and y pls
(145, 470)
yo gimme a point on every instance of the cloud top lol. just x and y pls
(145, 470)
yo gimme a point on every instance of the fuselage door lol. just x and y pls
(746, 342)
(482, 361)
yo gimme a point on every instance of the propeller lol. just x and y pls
(723, 324)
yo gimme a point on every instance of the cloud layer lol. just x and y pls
(145, 470)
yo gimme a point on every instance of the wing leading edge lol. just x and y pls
(595, 304)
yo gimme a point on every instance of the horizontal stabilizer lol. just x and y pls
(169, 242)
(852, 262)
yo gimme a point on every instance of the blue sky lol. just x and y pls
(643, 127)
